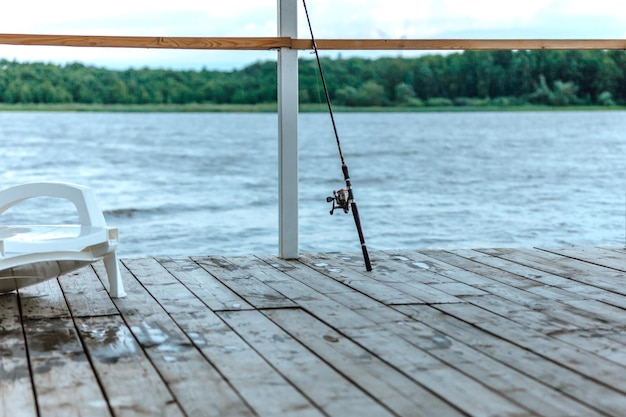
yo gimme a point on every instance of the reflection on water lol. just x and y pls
(109, 342)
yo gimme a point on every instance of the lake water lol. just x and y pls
(206, 183)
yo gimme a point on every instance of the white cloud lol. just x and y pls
(609, 8)
(489, 10)
(135, 16)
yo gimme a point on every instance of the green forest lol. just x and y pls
(470, 78)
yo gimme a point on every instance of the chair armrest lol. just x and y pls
(83, 199)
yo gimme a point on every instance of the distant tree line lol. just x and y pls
(501, 78)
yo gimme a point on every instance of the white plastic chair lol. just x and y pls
(30, 254)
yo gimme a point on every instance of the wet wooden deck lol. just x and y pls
(497, 332)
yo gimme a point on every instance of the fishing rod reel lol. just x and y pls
(340, 199)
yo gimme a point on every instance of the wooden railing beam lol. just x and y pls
(267, 43)
(161, 42)
(458, 44)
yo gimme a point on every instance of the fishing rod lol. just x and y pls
(344, 198)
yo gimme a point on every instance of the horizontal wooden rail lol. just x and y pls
(459, 44)
(261, 43)
(148, 42)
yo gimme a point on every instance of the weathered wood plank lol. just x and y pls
(119, 362)
(330, 391)
(522, 267)
(461, 390)
(85, 294)
(206, 329)
(591, 366)
(575, 271)
(230, 369)
(414, 277)
(598, 256)
(368, 326)
(360, 322)
(16, 390)
(595, 310)
(314, 286)
(43, 300)
(264, 390)
(242, 282)
(389, 386)
(393, 267)
(65, 383)
(278, 280)
(606, 343)
(204, 285)
(472, 261)
(445, 269)
(563, 299)
(348, 305)
(521, 289)
(172, 352)
(507, 381)
(532, 315)
(571, 298)
(548, 373)
(375, 284)
(501, 283)
(171, 294)
(578, 332)
(551, 306)
(344, 273)
(513, 274)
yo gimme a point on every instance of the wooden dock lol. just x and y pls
(493, 332)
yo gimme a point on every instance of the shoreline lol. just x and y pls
(272, 108)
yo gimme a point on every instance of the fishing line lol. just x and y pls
(343, 198)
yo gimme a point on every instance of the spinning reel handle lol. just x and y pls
(340, 199)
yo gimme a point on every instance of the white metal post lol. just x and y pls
(288, 132)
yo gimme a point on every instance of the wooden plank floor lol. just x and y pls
(493, 332)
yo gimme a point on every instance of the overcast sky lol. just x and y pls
(377, 19)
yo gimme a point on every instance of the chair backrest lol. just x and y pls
(83, 199)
